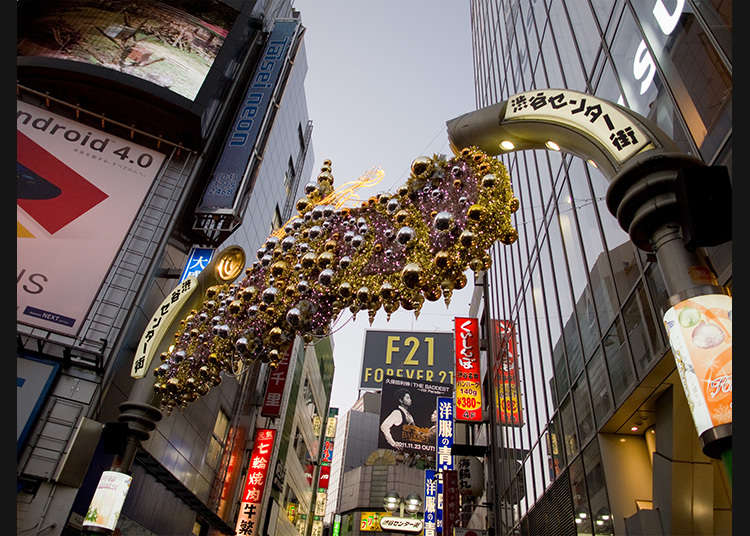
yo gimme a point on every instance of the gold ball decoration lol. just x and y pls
(335, 257)
(514, 204)
(422, 167)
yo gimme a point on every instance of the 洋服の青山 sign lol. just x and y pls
(78, 190)
(468, 381)
(257, 470)
(408, 355)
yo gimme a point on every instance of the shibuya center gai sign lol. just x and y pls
(402, 524)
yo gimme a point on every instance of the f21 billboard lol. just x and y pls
(409, 355)
(78, 191)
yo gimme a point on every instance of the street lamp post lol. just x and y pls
(668, 202)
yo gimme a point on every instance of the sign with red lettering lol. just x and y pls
(325, 476)
(275, 387)
(468, 381)
(451, 506)
(505, 376)
(247, 521)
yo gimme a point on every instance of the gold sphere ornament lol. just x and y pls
(302, 205)
(411, 275)
(326, 259)
(387, 292)
(345, 290)
(489, 180)
(274, 336)
(422, 167)
(460, 281)
(466, 238)
(235, 307)
(442, 259)
(514, 204)
(363, 295)
(432, 294)
(509, 237)
(477, 265)
(475, 212)
(279, 268)
(402, 216)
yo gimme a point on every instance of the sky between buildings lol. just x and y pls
(384, 76)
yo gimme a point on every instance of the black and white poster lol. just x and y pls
(408, 414)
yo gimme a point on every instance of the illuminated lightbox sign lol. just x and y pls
(247, 521)
(700, 334)
(444, 433)
(232, 166)
(78, 190)
(505, 376)
(275, 387)
(159, 324)
(594, 117)
(197, 260)
(402, 524)
(430, 502)
(370, 521)
(408, 355)
(105, 507)
(171, 44)
(468, 381)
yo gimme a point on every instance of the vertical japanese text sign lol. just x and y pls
(197, 260)
(451, 504)
(275, 387)
(247, 521)
(468, 381)
(444, 456)
(505, 378)
(430, 502)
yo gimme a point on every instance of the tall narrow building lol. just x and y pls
(592, 433)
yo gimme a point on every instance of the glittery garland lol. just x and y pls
(391, 251)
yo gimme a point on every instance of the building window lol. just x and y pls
(301, 134)
(218, 437)
(289, 176)
(276, 222)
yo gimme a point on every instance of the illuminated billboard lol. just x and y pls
(78, 191)
(410, 355)
(171, 44)
(505, 375)
(408, 415)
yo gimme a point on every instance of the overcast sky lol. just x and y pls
(384, 77)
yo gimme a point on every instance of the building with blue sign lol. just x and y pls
(209, 134)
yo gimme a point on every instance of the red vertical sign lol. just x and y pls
(325, 476)
(451, 506)
(468, 382)
(257, 471)
(275, 387)
(505, 376)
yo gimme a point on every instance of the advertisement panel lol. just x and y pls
(275, 387)
(257, 471)
(78, 190)
(171, 44)
(370, 521)
(409, 355)
(230, 171)
(34, 379)
(700, 334)
(408, 415)
(105, 507)
(504, 375)
(468, 380)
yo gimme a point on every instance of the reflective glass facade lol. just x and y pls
(584, 306)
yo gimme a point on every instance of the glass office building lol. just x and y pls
(598, 437)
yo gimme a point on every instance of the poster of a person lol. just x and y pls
(408, 418)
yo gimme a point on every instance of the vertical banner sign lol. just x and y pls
(336, 525)
(107, 502)
(78, 190)
(257, 470)
(468, 382)
(325, 475)
(327, 451)
(275, 387)
(444, 433)
(430, 502)
(505, 375)
(700, 334)
(451, 506)
(230, 171)
(197, 260)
